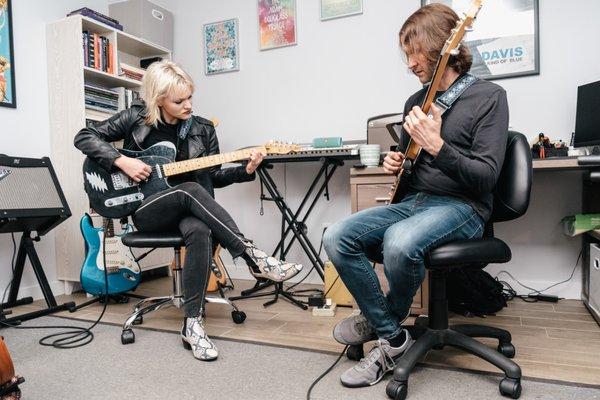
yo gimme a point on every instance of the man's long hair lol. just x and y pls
(426, 31)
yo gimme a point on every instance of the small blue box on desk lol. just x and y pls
(327, 142)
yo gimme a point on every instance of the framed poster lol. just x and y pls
(331, 9)
(505, 40)
(221, 48)
(7, 60)
(276, 23)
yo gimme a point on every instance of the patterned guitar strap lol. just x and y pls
(445, 101)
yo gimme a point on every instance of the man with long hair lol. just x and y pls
(448, 197)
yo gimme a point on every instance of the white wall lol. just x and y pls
(340, 73)
(346, 70)
(24, 131)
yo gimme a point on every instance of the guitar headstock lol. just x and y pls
(273, 147)
(463, 25)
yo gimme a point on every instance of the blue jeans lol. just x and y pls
(398, 235)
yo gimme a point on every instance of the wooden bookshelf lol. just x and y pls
(67, 75)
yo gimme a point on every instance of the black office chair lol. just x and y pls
(174, 240)
(511, 199)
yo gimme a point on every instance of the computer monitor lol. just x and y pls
(587, 119)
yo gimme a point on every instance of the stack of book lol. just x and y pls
(126, 97)
(131, 72)
(98, 52)
(87, 12)
(101, 99)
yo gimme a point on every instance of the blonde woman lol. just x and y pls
(188, 206)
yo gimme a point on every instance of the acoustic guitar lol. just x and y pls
(113, 194)
(218, 276)
(450, 48)
(9, 382)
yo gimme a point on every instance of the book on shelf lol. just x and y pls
(88, 12)
(98, 52)
(97, 115)
(101, 99)
(131, 72)
(126, 97)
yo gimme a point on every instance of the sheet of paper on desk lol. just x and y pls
(581, 223)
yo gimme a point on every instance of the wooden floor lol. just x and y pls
(553, 341)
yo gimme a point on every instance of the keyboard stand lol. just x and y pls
(292, 222)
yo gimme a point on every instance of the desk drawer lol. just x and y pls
(372, 195)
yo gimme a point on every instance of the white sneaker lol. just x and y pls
(193, 337)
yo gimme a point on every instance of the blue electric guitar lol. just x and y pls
(123, 272)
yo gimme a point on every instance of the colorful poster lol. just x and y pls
(7, 63)
(277, 23)
(501, 49)
(221, 48)
(340, 8)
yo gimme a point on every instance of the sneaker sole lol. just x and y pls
(348, 343)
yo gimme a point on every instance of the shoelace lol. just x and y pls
(377, 353)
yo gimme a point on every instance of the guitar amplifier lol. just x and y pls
(335, 288)
(30, 196)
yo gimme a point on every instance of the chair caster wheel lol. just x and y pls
(138, 320)
(397, 390)
(422, 320)
(127, 336)
(355, 352)
(507, 349)
(510, 387)
(238, 316)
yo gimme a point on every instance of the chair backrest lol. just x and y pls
(512, 192)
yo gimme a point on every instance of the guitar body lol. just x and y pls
(123, 272)
(113, 194)
(214, 281)
(7, 370)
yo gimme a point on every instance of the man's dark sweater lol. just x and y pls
(474, 131)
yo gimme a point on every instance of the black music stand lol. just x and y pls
(292, 222)
(44, 209)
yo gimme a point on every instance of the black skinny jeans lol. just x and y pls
(189, 208)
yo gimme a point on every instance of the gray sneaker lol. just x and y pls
(354, 330)
(380, 360)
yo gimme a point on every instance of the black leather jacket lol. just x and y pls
(129, 125)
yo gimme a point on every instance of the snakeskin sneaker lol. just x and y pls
(194, 338)
(263, 265)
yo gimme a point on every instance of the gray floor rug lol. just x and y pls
(157, 367)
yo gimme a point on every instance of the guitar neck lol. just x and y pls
(181, 167)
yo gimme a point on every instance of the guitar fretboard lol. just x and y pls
(194, 164)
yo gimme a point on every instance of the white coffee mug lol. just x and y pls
(370, 155)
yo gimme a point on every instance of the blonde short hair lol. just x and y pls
(161, 79)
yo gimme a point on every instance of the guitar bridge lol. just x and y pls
(117, 201)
